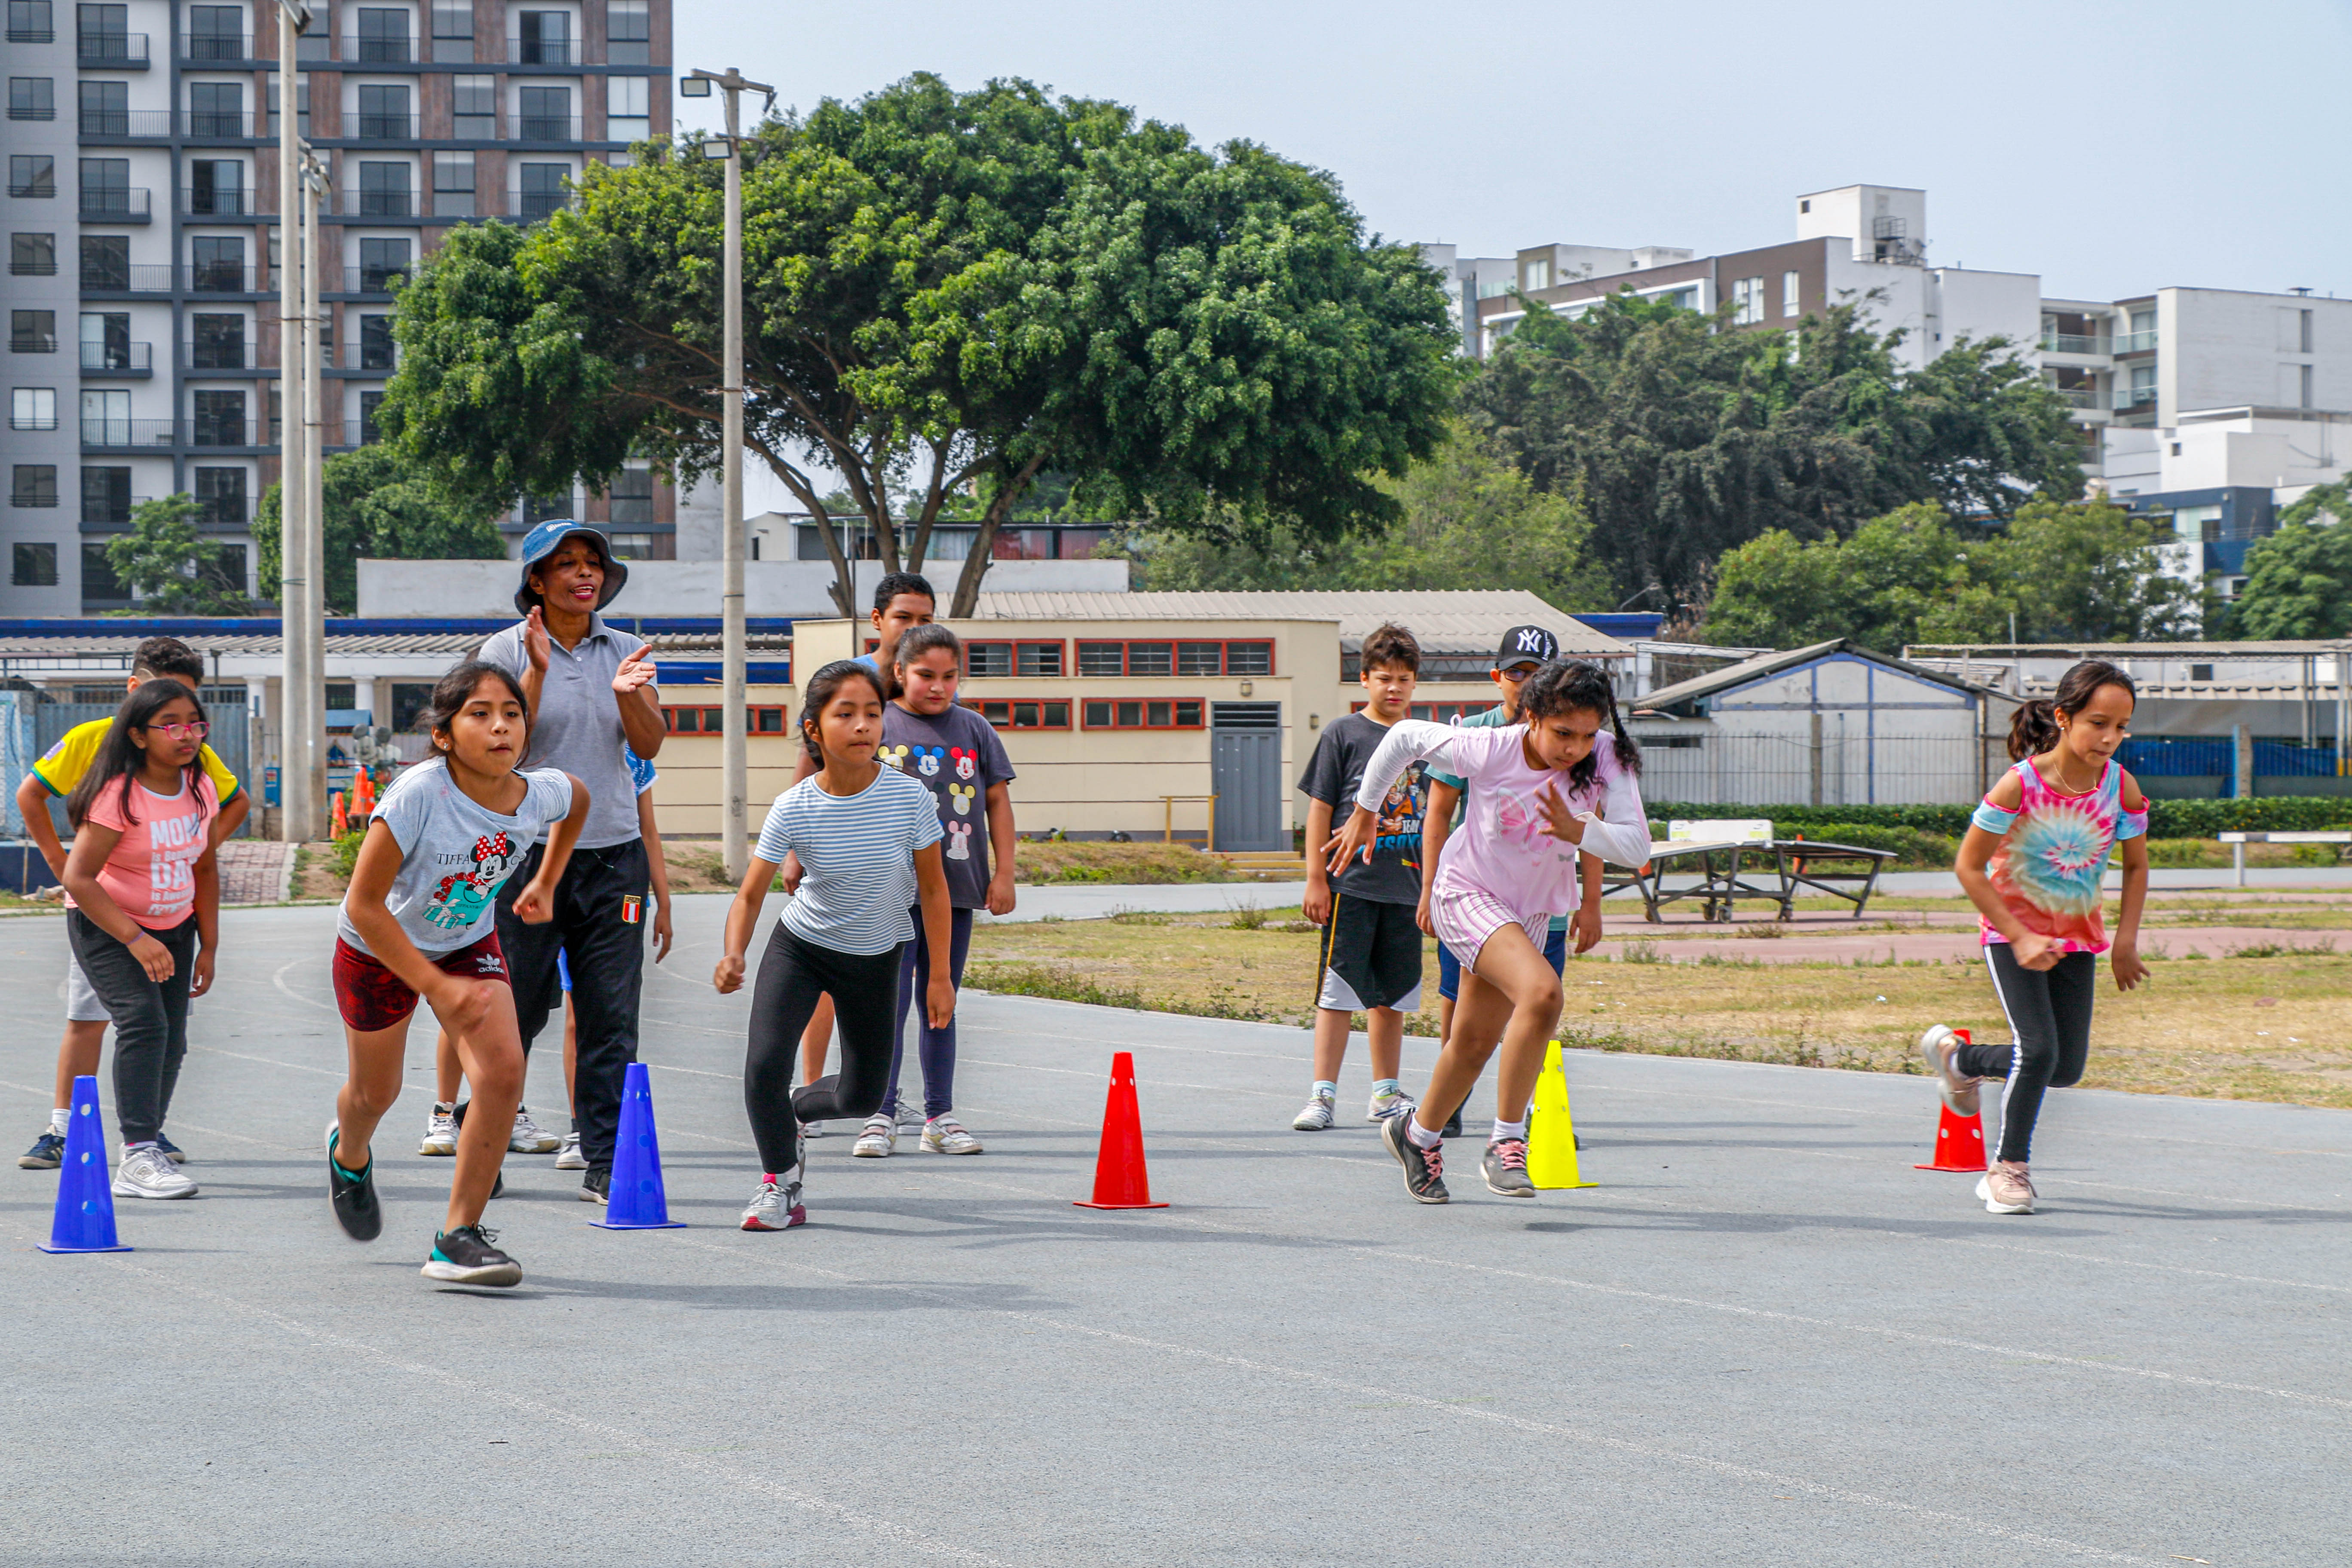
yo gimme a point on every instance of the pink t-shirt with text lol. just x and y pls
(151, 875)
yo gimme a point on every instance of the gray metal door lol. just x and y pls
(230, 738)
(1246, 770)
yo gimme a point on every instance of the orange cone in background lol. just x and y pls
(1959, 1140)
(341, 821)
(1120, 1180)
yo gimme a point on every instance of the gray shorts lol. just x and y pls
(82, 1005)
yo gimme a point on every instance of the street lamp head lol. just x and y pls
(694, 86)
(719, 150)
(298, 12)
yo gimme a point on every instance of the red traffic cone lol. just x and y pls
(1120, 1180)
(1959, 1140)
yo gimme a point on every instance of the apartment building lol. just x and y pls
(143, 220)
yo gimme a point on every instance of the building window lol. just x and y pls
(369, 402)
(32, 98)
(228, 568)
(383, 190)
(2202, 672)
(536, 510)
(106, 495)
(376, 342)
(106, 192)
(382, 38)
(453, 184)
(98, 583)
(628, 33)
(1452, 712)
(33, 255)
(1032, 660)
(1249, 658)
(222, 493)
(216, 264)
(33, 565)
(1148, 713)
(545, 113)
(106, 341)
(381, 261)
(1789, 293)
(1538, 275)
(1747, 302)
(628, 106)
(476, 105)
(216, 343)
(542, 38)
(33, 484)
(33, 408)
(220, 420)
(1150, 658)
(541, 189)
(216, 109)
(301, 91)
(410, 699)
(2306, 369)
(383, 114)
(453, 34)
(1020, 712)
(31, 22)
(216, 188)
(713, 721)
(32, 331)
(105, 108)
(217, 33)
(32, 174)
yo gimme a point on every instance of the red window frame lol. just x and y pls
(1142, 706)
(1176, 647)
(1438, 712)
(1004, 712)
(1018, 646)
(760, 719)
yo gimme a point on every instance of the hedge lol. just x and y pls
(2166, 819)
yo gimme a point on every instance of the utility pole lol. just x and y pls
(734, 783)
(314, 511)
(295, 741)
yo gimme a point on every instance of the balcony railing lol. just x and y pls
(33, 35)
(225, 278)
(536, 206)
(223, 353)
(197, 202)
(111, 513)
(122, 435)
(2133, 397)
(2074, 343)
(226, 124)
(222, 433)
(384, 126)
(354, 433)
(35, 187)
(2133, 343)
(111, 51)
(545, 127)
(216, 46)
(117, 359)
(32, 343)
(397, 52)
(399, 203)
(31, 421)
(33, 266)
(136, 277)
(97, 122)
(116, 204)
(373, 279)
(454, 204)
(524, 51)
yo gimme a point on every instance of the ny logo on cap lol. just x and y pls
(1532, 639)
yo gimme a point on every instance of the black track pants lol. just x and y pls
(793, 973)
(2050, 1022)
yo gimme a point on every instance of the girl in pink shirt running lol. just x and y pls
(1541, 793)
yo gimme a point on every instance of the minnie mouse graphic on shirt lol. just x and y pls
(462, 898)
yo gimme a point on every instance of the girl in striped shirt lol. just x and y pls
(868, 840)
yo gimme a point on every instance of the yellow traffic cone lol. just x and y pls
(1552, 1130)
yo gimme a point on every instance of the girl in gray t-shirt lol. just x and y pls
(419, 919)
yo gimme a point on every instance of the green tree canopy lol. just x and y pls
(2299, 580)
(943, 288)
(2068, 571)
(1470, 521)
(1685, 440)
(175, 569)
(377, 507)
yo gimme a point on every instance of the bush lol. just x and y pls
(1913, 847)
(347, 852)
(2166, 819)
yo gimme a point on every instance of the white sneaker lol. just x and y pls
(879, 1139)
(1316, 1117)
(1936, 1049)
(530, 1137)
(909, 1115)
(812, 1129)
(569, 1157)
(440, 1131)
(775, 1208)
(946, 1135)
(1394, 1102)
(148, 1174)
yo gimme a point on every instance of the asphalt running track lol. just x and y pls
(1764, 1339)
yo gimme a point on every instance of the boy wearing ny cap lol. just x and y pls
(591, 691)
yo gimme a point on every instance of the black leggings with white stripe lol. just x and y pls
(793, 973)
(2050, 1020)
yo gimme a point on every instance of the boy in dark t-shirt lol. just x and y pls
(955, 754)
(1371, 960)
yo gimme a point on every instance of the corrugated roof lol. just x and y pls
(2199, 651)
(1445, 621)
(454, 643)
(1769, 664)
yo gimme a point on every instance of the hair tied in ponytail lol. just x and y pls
(2036, 727)
(1581, 687)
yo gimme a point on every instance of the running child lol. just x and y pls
(1371, 959)
(142, 909)
(2031, 863)
(448, 1113)
(953, 752)
(1544, 793)
(868, 841)
(420, 919)
(61, 767)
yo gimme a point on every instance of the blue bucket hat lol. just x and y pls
(541, 542)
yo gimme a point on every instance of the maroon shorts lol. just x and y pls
(372, 997)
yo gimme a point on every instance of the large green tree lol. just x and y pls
(173, 569)
(1683, 439)
(2066, 571)
(2299, 580)
(944, 290)
(1470, 521)
(378, 507)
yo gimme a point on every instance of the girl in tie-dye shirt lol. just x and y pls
(2033, 862)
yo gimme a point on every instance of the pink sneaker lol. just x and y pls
(2006, 1188)
(1936, 1049)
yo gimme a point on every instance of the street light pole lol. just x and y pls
(314, 507)
(296, 677)
(734, 783)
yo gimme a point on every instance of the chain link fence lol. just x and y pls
(1837, 769)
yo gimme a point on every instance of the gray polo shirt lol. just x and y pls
(577, 725)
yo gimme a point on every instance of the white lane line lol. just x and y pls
(472, 1386)
(279, 980)
(1467, 1412)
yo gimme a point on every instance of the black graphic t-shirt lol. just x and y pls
(1334, 774)
(956, 755)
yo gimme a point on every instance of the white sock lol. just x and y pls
(1503, 1130)
(61, 1119)
(1422, 1137)
(1387, 1086)
(1326, 1091)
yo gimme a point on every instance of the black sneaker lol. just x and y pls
(596, 1186)
(1506, 1168)
(171, 1149)
(1425, 1169)
(357, 1208)
(1453, 1124)
(465, 1257)
(47, 1153)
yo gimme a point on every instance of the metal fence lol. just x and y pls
(1839, 768)
(230, 739)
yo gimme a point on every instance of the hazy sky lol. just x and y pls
(2113, 149)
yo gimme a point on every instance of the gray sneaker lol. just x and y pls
(569, 1157)
(774, 1208)
(529, 1137)
(1936, 1049)
(148, 1174)
(1394, 1102)
(1506, 1168)
(440, 1131)
(2005, 1187)
(1425, 1169)
(1318, 1115)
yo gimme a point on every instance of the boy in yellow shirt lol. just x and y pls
(61, 767)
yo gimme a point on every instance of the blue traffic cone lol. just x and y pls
(636, 1201)
(85, 1218)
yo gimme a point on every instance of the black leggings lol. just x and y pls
(151, 1017)
(793, 973)
(2050, 1021)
